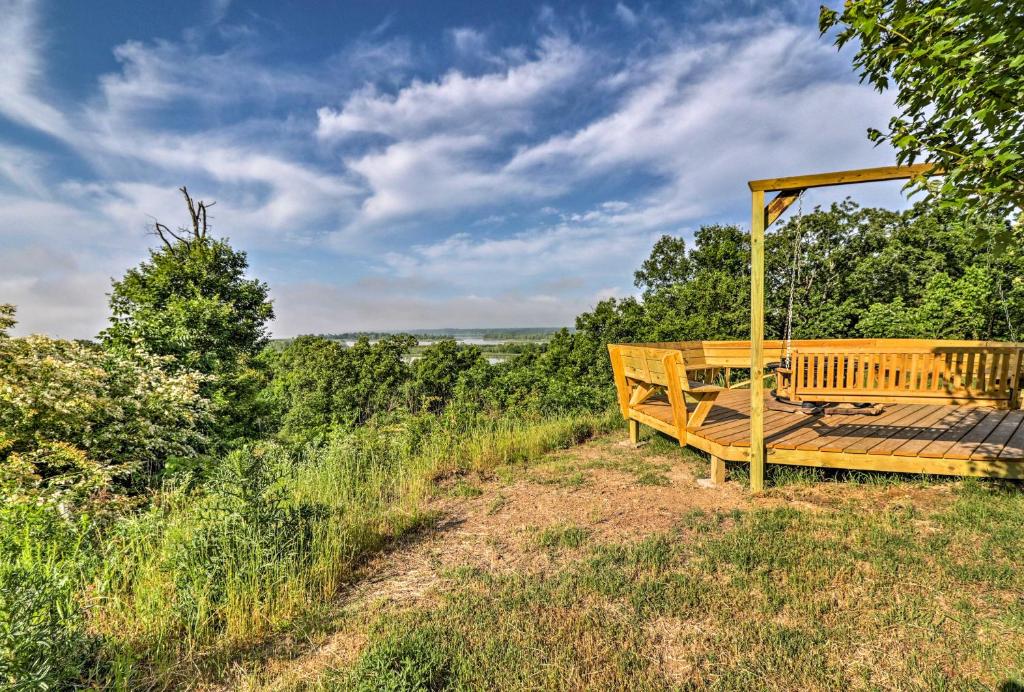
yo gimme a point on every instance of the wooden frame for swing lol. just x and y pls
(952, 405)
(788, 190)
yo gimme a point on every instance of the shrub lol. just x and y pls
(76, 417)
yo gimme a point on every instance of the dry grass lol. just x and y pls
(616, 582)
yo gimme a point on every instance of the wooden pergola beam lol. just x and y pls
(762, 216)
(860, 175)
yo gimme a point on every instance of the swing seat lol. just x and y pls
(921, 372)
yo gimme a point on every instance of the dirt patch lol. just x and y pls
(837, 495)
(497, 531)
(338, 650)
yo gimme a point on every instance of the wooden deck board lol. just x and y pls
(950, 437)
(965, 446)
(838, 439)
(659, 409)
(714, 429)
(811, 429)
(913, 447)
(961, 434)
(901, 430)
(1014, 448)
(740, 437)
(920, 427)
(997, 441)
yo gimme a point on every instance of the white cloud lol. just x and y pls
(541, 277)
(707, 119)
(468, 41)
(492, 103)
(584, 248)
(70, 305)
(547, 130)
(625, 14)
(320, 307)
(23, 168)
(22, 67)
(217, 10)
(444, 134)
(435, 174)
(703, 118)
(163, 73)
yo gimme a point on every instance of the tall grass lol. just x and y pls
(277, 532)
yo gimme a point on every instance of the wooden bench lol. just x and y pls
(904, 371)
(644, 372)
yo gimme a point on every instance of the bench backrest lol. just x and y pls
(915, 373)
(736, 354)
(843, 370)
(645, 364)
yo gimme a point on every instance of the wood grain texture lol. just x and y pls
(913, 437)
(757, 451)
(860, 175)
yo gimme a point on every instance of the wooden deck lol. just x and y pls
(911, 438)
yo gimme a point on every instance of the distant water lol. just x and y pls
(467, 340)
(490, 359)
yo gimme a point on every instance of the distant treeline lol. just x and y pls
(492, 334)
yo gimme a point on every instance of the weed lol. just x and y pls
(562, 536)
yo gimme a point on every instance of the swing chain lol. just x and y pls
(793, 278)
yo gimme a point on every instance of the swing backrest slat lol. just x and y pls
(908, 372)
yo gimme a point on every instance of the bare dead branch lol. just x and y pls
(199, 217)
(197, 211)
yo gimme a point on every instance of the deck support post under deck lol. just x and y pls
(717, 470)
(634, 431)
(757, 451)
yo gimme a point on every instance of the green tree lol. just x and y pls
(667, 265)
(958, 70)
(308, 374)
(318, 384)
(438, 369)
(377, 375)
(79, 421)
(191, 301)
(7, 320)
(852, 271)
(714, 301)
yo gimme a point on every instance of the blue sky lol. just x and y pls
(405, 165)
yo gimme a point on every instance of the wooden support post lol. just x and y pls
(717, 470)
(634, 431)
(757, 450)
(704, 404)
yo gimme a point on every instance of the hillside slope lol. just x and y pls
(609, 567)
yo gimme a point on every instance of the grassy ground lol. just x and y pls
(608, 567)
(206, 582)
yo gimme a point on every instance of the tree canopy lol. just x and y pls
(958, 70)
(192, 303)
(857, 273)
